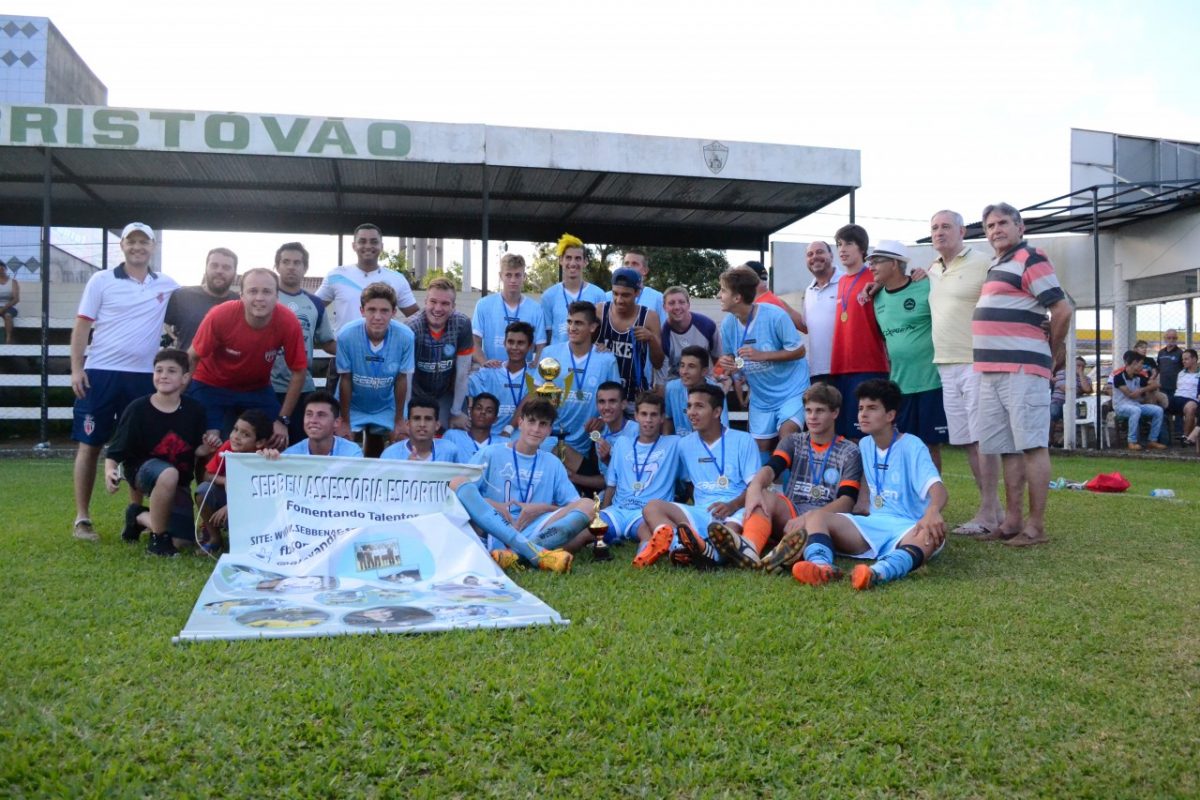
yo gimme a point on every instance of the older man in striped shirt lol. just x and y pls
(1017, 364)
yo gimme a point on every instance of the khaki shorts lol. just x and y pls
(1014, 412)
(960, 398)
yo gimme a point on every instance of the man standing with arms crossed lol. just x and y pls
(1016, 364)
(126, 307)
(820, 309)
(343, 286)
(955, 281)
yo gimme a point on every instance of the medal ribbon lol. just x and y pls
(887, 454)
(575, 369)
(720, 467)
(525, 493)
(637, 471)
(853, 285)
(746, 327)
(817, 479)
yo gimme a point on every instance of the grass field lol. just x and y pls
(1069, 670)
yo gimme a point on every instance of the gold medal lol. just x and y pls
(739, 362)
(722, 481)
(815, 492)
(594, 436)
(579, 394)
(878, 501)
(637, 486)
(845, 316)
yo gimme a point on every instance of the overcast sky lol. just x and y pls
(951, 104)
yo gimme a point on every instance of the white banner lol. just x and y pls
(324, 546)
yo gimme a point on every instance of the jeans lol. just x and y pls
(1134, 414)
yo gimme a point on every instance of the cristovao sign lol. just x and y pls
(229, 132)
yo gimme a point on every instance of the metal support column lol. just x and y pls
(104, 248)
(763, 246)
(851, 206)
(47, 187)
(341, 258)
(1096, 300)
(487, 209)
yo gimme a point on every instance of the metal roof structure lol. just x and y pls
(102, 166)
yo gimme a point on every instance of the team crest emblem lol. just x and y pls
(715, 156)
(270, 356)
(89, 424)
(448, 349)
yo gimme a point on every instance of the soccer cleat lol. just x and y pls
(815, 574)
(656, 547)
(507, 559)
(702, 552)
(862, 578)
(84, 531)
(132, 531)
(789, 550)
(555, 561)
(161, 545)
(733, 546)
(681, 558)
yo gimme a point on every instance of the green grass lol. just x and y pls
(1068, 670)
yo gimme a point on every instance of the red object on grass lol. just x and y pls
(1107, 482)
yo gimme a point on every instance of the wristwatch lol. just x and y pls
(285, 420)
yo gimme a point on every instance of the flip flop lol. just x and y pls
(972, 529)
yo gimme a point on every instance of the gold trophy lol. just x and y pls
(549, 369)
(599, 529)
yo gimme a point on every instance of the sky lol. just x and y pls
(952, 104)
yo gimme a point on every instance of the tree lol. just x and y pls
(396, 262)
(697, 271)
(453, 274)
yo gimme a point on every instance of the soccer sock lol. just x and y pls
(763, 457)
(784, 477)
(819, 549)
(898, 563)
(757, 530)
(489, 519)
(561, 531)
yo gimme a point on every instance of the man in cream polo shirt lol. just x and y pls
(956, 280)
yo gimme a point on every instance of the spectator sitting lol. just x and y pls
(1130, 401)
(251, 432)
(1058, 395)
(10, 295)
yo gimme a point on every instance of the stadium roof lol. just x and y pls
(232, 171)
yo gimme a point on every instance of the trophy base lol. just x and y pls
(601, 552)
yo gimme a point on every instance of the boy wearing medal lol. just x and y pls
(557, 300)
(826, 473)
(640, 470)
(760, 341)
(584, 370)
(524, 499)
(420, 444)
(905, 528)
(719, 462)
(510, 382)
(693, 371)
(858, 352)
(484, 408)
(375, 364)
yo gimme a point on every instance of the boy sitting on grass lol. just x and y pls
(156, 443)
(826, 473)
(320, 424)
(251, 433)
(905, 528)
(525, 500)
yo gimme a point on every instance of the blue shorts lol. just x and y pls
(923, 415)
(765, 423)
(222, 406)
(1178, 404)
(110, 391)
(12, 312)
(180, 524)
(622, 523)
(211, 496)
(847, 421)
(882, 534)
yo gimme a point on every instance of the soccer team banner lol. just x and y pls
(322, 546)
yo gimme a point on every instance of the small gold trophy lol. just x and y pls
(599, 529)
(548, 390)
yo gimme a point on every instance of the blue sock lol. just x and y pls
(784, 477)
(763, 457)
(898, 563)
(561, 531)
(819, 549)
(489, 519)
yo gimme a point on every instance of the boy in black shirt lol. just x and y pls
(157, 441)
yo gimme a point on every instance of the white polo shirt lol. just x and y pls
(820, 312)
(127, 318)
(343, 287)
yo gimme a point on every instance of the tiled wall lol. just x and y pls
(23, 62)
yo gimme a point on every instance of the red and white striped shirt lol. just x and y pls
(1006, 329)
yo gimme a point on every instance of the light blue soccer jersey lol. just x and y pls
(654, 466)
(373, 372)
(579, 380)
(650, 298)
(772, 383)
(510, 477)
(675, 401)
(629, 431)
(442, 451)
(735, 455)
(492, 315)
(555, 301)
(467, 447)
(508, 388)
(905, 482)
(341, 447)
